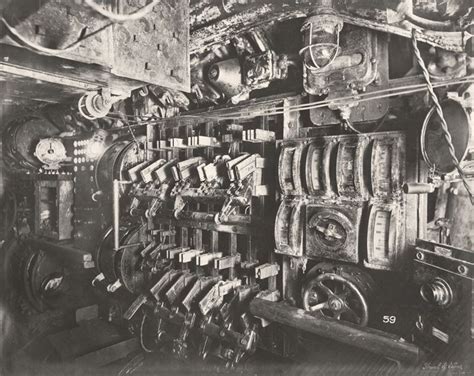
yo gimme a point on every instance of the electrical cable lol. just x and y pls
(358, 97)
(142, 342)
(279, 110)
(401, 90)
(115, 17)
(439, 111)
(133, 136)
(314, 105)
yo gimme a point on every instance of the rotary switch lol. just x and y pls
(333, 232)
(330, 229)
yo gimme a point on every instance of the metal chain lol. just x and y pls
(439, 111)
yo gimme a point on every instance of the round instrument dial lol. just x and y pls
(330, 229)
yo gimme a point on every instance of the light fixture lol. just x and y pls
(97, 144)
(321, 37)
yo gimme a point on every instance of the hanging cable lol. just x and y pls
(142, 342)
(439, 111)
(114, 17)
(133, 136)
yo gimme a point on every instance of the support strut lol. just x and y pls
(375, 341)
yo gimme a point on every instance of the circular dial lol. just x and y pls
(330, 229)
(51, 152)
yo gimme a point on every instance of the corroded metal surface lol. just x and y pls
(373, 15)
(153, 49)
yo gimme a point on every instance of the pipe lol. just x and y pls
(116, 213)
(375, 341)
(418, 188)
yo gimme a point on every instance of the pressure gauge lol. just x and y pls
(51, 152)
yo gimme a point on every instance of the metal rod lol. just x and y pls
(418, 188)
(116, 213)
(129, 245)
(375, 341)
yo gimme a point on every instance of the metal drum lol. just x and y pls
(116, 161)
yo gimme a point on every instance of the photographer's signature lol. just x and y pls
(455, 367)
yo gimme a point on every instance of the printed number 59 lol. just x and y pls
(389, 319)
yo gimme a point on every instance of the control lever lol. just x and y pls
(241, 172)
(213, 175)
(207, 306)
(201, 285)
(159, 191)
(172, 295)
(155, 291)
(185, 174)
(230, 313)
(183, 281)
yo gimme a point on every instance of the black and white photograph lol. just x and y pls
(236, 187)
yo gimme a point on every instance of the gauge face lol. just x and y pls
(51, 152)
(350, 167)
(345, 162)
(382, 168)
(314, 165)
(289, 169)
(381, 234)
(288, 229)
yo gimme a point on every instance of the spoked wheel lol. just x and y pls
(340, 292)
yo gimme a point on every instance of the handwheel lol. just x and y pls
(339, 292)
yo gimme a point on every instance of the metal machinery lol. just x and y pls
(297, 191)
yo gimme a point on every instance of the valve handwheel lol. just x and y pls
(339, 292)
